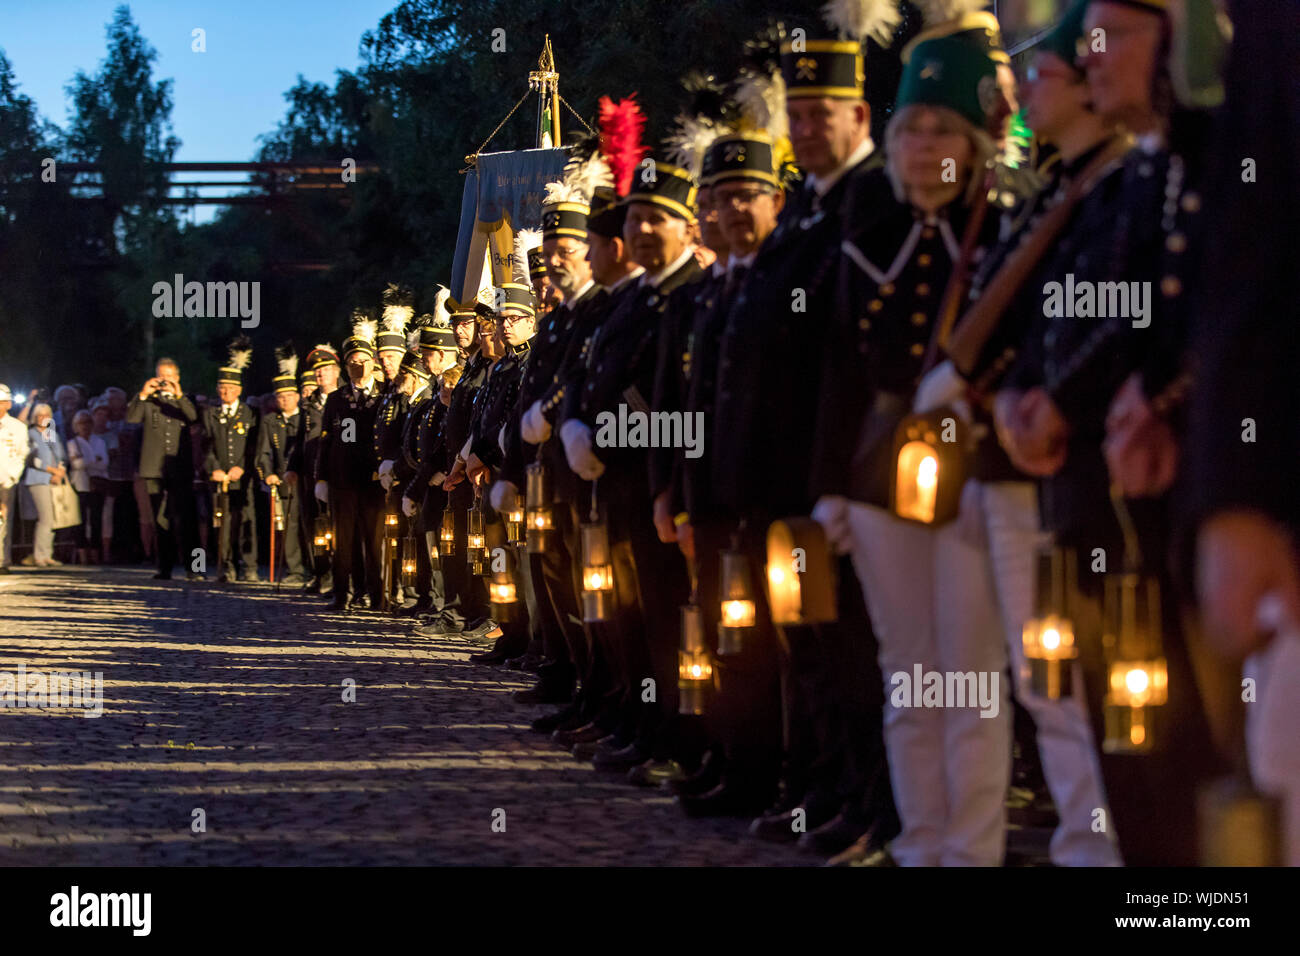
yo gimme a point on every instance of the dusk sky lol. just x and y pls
(224, 98)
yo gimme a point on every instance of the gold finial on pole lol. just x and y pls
(546, 81)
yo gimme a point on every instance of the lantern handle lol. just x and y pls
(595, 509)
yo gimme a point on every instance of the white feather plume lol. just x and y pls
(525, 241)
(941, 11)
(689, 140)
(287, 363)
(589, 175)
(364, 327)
(240, 353)
(864, 19)
(761, 97)
(441, 317)
(561, 191)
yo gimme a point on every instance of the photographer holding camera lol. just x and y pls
(165, 462)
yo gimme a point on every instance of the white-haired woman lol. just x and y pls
(47, 466)
(929, 589)
(88, 463)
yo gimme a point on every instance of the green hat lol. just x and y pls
(665, 185)
(953, 72)
(979, 27)
(1063, 39)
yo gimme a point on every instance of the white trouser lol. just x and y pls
(933, 603)
(1065, 740)
(1272, 740)
(9, 499)
(43, 537)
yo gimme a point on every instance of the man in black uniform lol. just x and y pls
(166, 465)
(553, 573)
(279, 461)
(410, 392)
(423, 499)
(606, 695)
(784, 302)
(650, 580)
(346, 478)
(466, 607)
(323, 370)
(230, 439)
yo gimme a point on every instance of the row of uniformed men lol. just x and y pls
(804, 324)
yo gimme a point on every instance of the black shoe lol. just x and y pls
(293, 581)
(195, 576)
(724, 800)
(704, 779)
(488, 658)
(360, 603)
(249, 577)
(420, 606)
(835, 835)
(548, 723)
(587, 733)
(610, 743)
(619, 761)
(163, 576)
(544, 692)
(489, 629)
(339, 604)
(778, 823)
(440, 626)
(312, 587)
(655, 773)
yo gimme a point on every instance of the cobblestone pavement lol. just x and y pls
(231, 701)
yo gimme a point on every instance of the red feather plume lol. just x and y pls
(621, 125)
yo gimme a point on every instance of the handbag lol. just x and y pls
(67, 506)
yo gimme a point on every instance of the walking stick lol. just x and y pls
(277, 522)
(219, 518)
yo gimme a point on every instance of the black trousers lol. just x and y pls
(466, 596)
(650, 586)
(557, 575)
(745, 712)
(356, 512)
(290, 545)
(237, 536)
(318, 561)
(171, 499)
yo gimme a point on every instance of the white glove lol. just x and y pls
(408, 507)
(534, 427)
(832, 513)
(385, 467)
(501, 439)
(576, 437)
(501, 491)
(940, 386)
(323, 492)
(438, 478)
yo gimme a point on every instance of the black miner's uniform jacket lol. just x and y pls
(770, 358)
(165, 447)
(620, 369)
(279, 445)
(230, 443)
(348, 464)
(495, 403)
